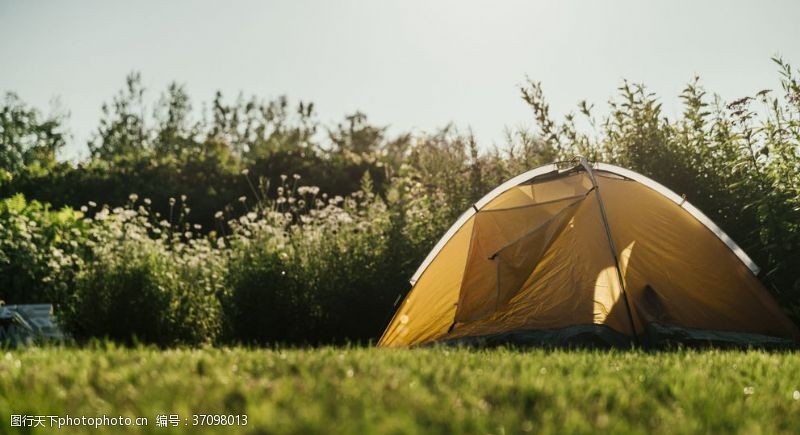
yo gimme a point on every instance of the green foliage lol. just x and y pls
(148, 280)
(294, 263)
(439, 390)
(38, 250)
(309, 268)
(27, 141)
(769, 166)
(164, 151)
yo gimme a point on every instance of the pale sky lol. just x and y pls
(414, 65)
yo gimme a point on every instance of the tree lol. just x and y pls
(27, 139)
(122, 132)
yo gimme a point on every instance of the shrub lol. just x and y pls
(307, 268)
(150, 281)
(39, 251)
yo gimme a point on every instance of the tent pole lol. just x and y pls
(611, 245)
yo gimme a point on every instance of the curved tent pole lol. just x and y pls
(684, 204)
(604, 167)
(611, 244)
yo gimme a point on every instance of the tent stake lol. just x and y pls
(611, 245)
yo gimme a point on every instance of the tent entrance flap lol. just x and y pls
(505, 248)
(518, 260)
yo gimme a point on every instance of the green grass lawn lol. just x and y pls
(363, 390)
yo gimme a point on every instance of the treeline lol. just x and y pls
(249, 221)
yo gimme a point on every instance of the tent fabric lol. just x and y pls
(699, 281)
(535, 255)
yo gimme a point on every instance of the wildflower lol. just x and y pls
(84, 209)
(218, 215)
(749, 391)
(183, 198)
(147, 201)
(242, 199)
(252, 216)
(133, 197)
(283, 177)
(796, 395)
(92, 204)
(197, 226)
(171, 202)
(296, 176)
(245, 172)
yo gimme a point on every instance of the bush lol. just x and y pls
(147, 281)
(174, 152)
(39, 251)
(309, 269)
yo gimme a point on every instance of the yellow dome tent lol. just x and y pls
(586, 252)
